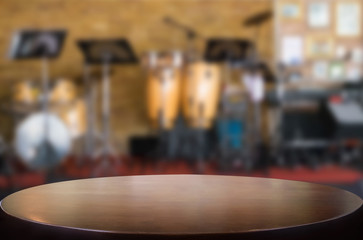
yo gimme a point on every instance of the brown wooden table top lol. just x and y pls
(181, 205)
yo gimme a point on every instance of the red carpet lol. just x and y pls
(326, 174)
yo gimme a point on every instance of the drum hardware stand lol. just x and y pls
(90, 135)
(107, 150)
(106, 52)
(200, 141)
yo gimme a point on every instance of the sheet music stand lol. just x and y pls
(106, 52)
(227, 50)
(45, 45)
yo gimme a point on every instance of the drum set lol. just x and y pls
(62, 125)
(183, 92)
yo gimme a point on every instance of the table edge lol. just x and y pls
(359, 208)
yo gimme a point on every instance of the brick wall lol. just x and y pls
(138, 20)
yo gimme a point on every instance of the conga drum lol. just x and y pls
(201, 90)
(163, 87)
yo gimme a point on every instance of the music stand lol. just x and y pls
(227, 50)
(106, 52)
(45, 45)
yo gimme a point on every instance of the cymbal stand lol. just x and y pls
(191, 35)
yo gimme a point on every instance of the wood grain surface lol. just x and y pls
(181, 205)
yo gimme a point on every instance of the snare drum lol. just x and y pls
(163, 87)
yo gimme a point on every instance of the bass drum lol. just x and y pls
(163, 87)
(201, 93)
(42, 141)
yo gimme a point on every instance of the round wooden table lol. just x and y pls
(183, 207)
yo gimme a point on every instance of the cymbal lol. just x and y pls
(258, 19)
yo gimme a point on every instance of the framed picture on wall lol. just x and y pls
(294, 76)
(290, 9)
(292, 50)
(318, 14)
(357, 55)
(320, 70)
(336, 70)
(354, 73)
(319, 46)
(348, 18)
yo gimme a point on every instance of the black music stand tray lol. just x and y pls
(106, 52)
(227, 50)
(35, 44)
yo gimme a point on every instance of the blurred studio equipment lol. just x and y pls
(106, 52)
(42, 140)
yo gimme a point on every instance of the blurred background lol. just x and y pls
(265, 88)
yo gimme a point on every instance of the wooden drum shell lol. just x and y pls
(163, 87)
(200, 94)
(166, 100)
